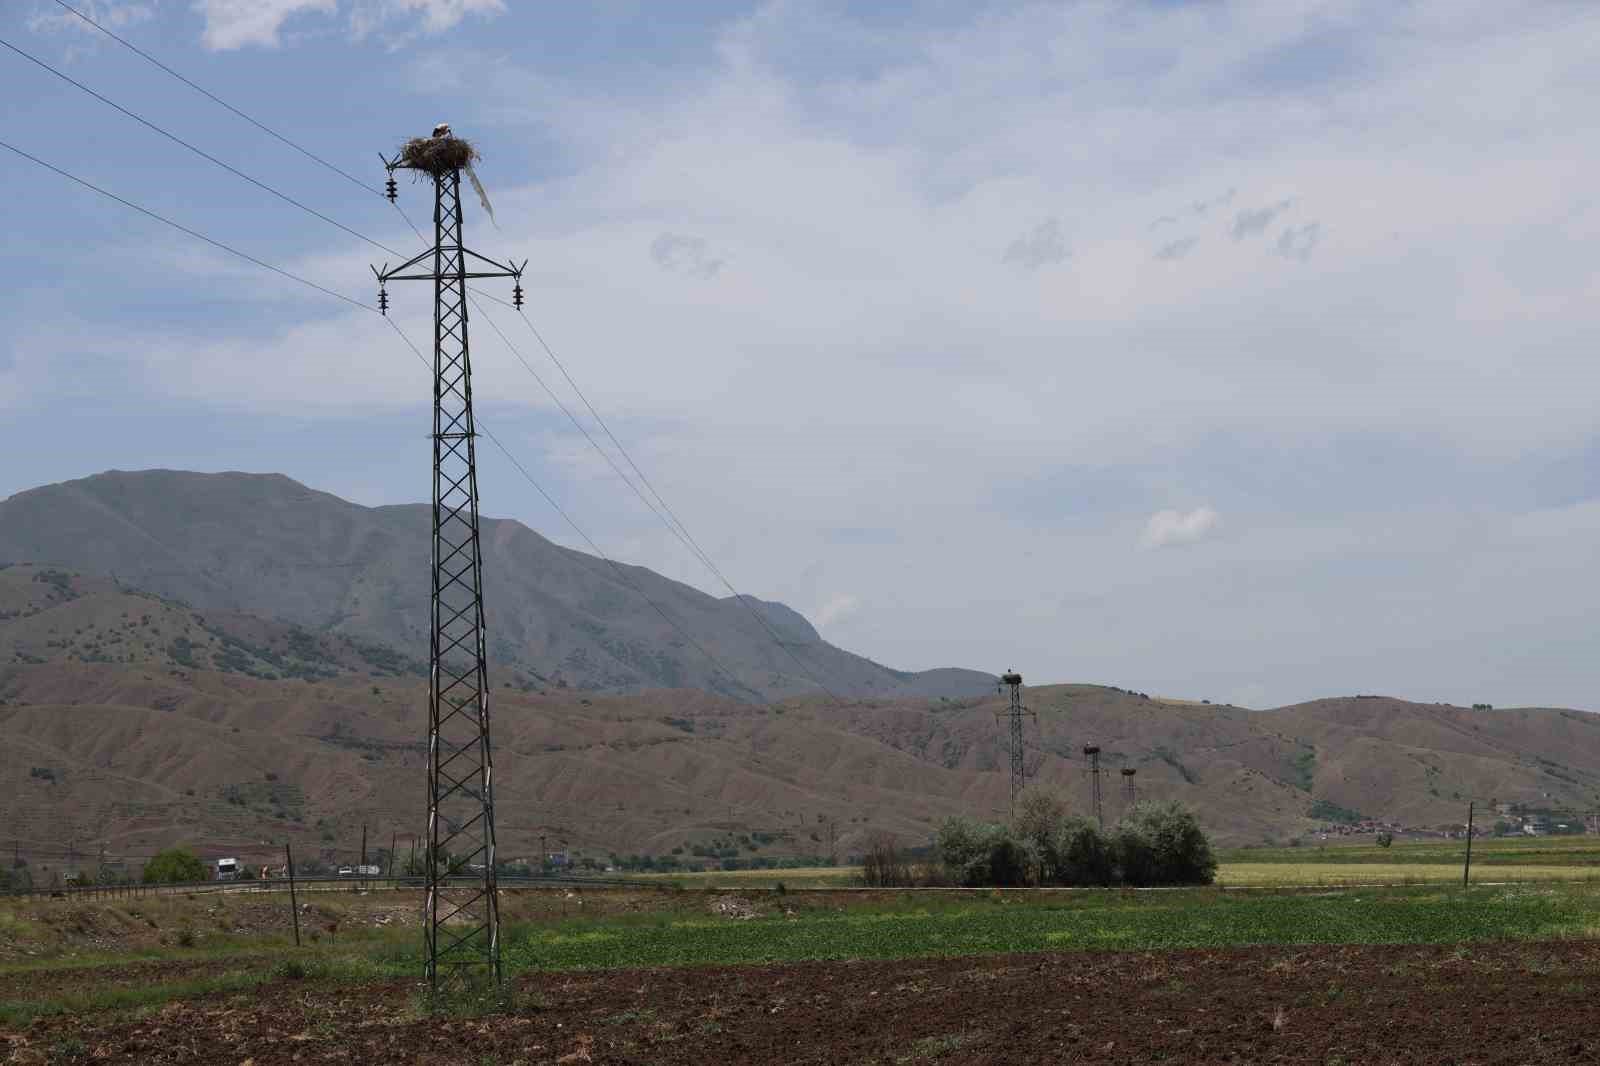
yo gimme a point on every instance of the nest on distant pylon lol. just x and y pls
(437, 155)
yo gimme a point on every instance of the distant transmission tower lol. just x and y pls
(1093, 753)
(1019, 773)
(1130, 791)
(462, 922)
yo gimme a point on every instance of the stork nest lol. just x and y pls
(436, 155)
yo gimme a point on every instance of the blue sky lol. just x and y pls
(1228, 350)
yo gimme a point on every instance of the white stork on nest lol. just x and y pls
(443, 130)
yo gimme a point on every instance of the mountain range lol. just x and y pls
(235, 660)
(268, 545)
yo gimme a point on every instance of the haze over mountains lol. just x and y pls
(268, 545)
(253, 672)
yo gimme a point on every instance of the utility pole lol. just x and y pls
(1130, 791)
(294, 903)
(1092, 751)
(1466, 871)
(544, 856)
(394, 835)
(363, 844)
(462, 924)
(1014, 713)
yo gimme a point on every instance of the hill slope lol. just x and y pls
(263, 544)
(130, 722)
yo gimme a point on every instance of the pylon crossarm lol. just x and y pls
(386, 274)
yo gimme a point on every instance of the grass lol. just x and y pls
(901, 925)
(1395, 873)
(799, 877)
(156, 992)
(1195, 919)
(1493, 851)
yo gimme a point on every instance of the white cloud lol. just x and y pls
(1178, 527)
(681, 254)
(1177, 249)
(875, 356)
(1256, 220)
(112, 14)
(1298, 242)
(1043, 245)
(838, 608)
(233, 24)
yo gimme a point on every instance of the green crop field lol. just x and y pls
(917, 926)
(684, 929)
(798, 877)
(1493, 851)
(1288, 874)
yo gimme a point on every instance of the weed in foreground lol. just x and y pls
(933, 1047)
(476, 999)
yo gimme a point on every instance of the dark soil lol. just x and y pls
(1502, 1003)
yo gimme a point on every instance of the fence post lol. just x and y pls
(294, 906)
(1466, 871)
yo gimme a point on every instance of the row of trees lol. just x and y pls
(1045, 844)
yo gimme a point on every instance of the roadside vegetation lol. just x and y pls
(1045, 844)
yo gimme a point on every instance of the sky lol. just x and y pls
(1239, 351)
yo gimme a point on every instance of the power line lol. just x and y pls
(263, 127)
(673, 525)
(193, 233)
(202, 153)
(670, 519)
(218, 100)
(622, 575)
(616, 568)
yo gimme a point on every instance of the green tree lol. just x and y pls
(1163, 844)
(1086, 855)
(1038, 819)
(174, 864)
(963, 850)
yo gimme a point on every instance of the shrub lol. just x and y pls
(883, 866)
(174, 864)
(976, 855)
(1038, 820)
(1155, 844)
(1163, 844)
(962, 850)
(1086, 855)
(1011, 861)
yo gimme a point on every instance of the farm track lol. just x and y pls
(1487, 1004)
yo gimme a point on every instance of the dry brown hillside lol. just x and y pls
(128, 723)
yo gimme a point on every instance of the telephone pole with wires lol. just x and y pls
(462, 923)
(1014, 715)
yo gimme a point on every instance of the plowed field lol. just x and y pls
(1481, 1004)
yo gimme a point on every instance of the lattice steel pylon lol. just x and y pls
(1130, 791)
(462, 920)
(1092, 752)
(1015, 713)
